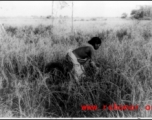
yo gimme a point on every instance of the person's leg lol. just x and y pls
(73, 73)
(70, 84)
(76, 71)
(83, 72)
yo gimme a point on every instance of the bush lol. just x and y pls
(124, 15)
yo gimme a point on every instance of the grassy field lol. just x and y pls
(30, 44)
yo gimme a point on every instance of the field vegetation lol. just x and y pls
(125, 76)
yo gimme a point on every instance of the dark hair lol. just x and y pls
(94, 40)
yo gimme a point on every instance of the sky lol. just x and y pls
(81, 8)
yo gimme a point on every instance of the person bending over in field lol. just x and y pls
(79, 56)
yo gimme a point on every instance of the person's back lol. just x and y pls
(83, 54)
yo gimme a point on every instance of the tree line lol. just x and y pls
(143, 13)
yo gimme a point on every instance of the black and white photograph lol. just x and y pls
(75, 59)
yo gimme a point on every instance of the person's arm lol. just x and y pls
(93, 60)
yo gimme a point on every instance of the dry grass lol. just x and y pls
(125, 70)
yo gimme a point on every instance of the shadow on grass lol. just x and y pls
(107, 88)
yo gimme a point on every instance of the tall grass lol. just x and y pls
(124, 78)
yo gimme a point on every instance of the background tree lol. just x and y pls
(72, 16)
(64, 4)
(52, 12)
